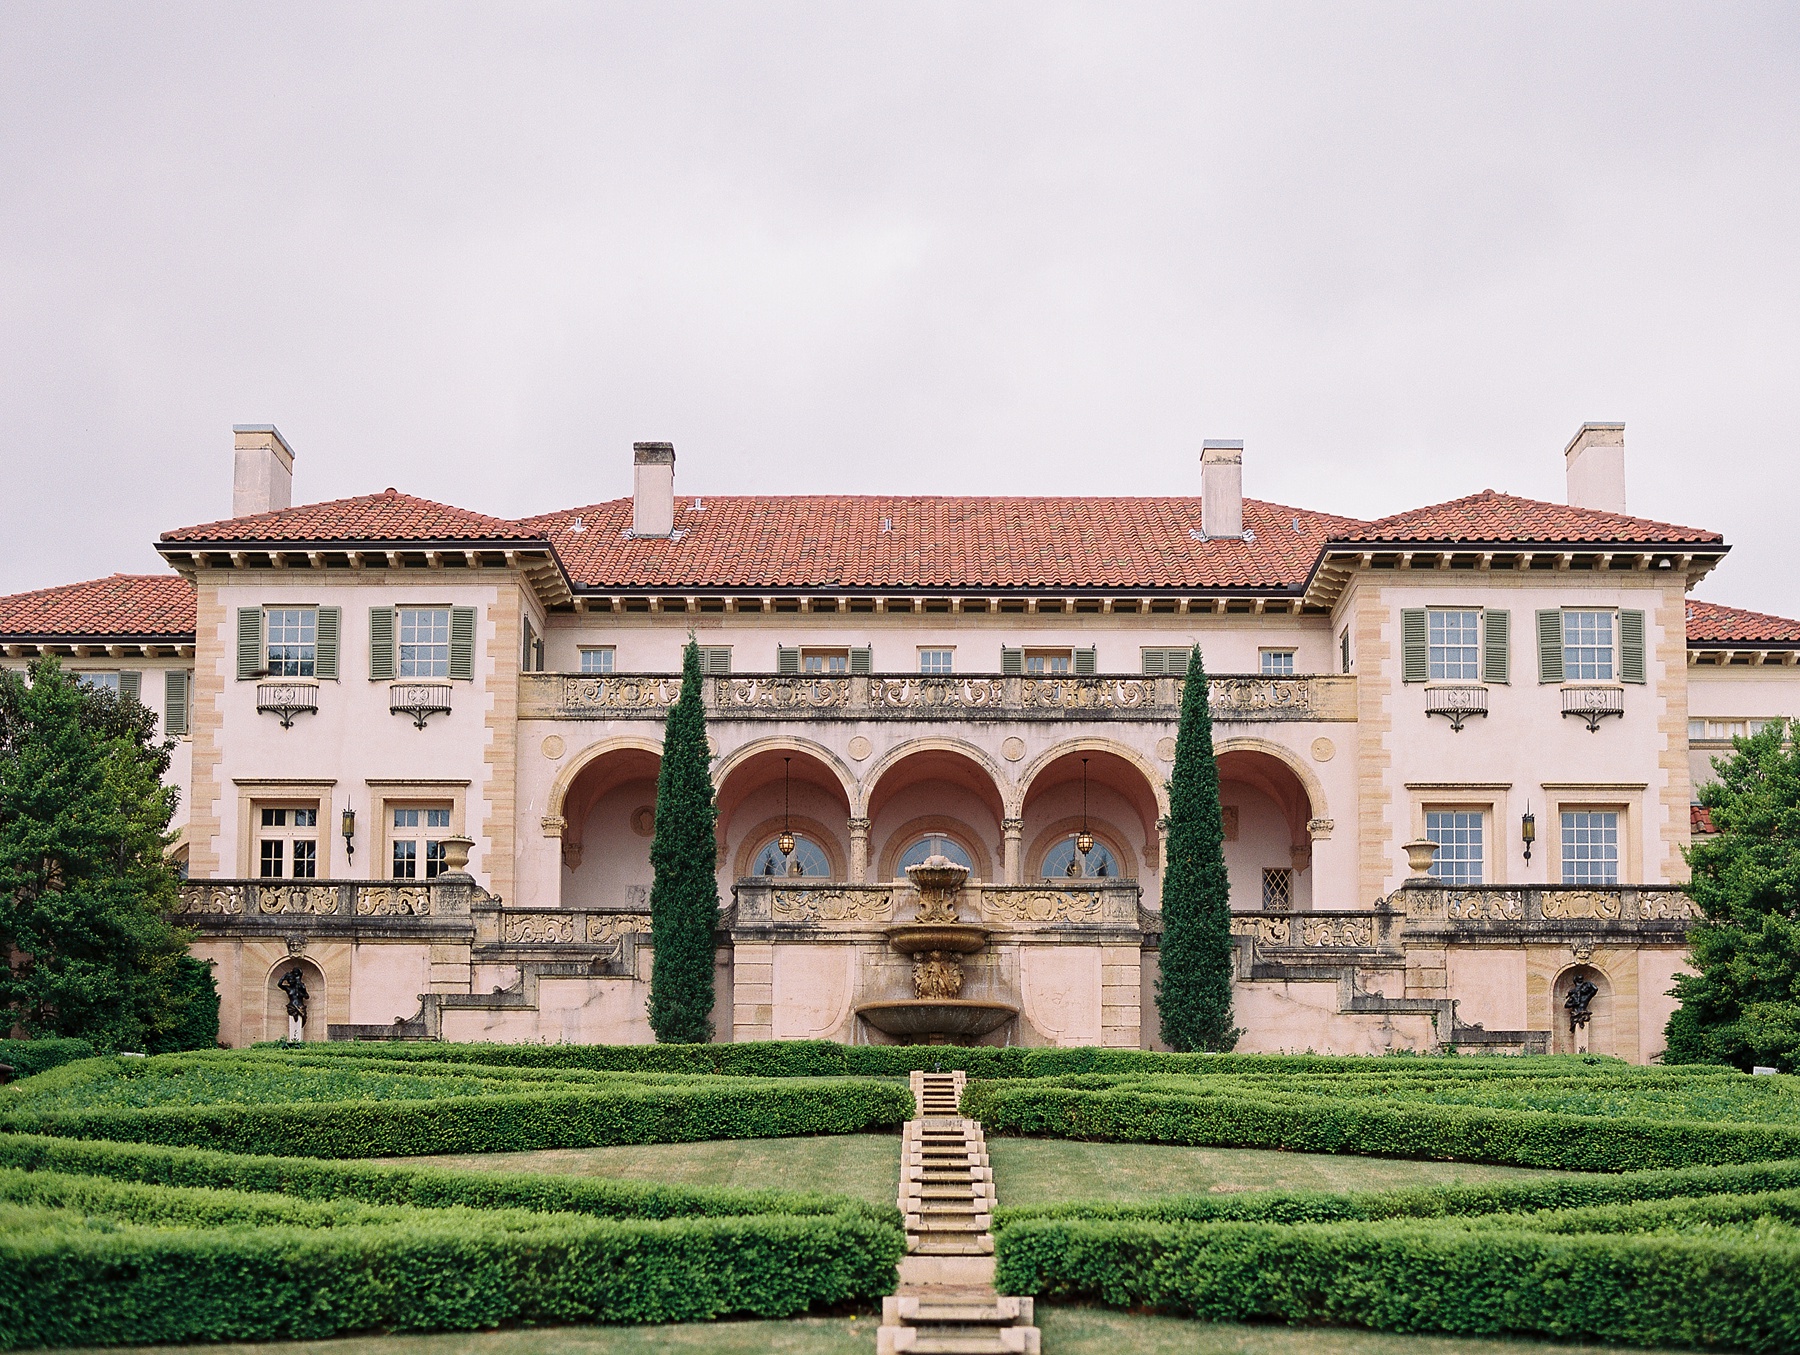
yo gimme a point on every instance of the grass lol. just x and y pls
(1046, 1171)
(863, 1166)
(1067, 1331)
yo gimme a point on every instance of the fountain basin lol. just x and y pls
(937, 1020)
(916, 938)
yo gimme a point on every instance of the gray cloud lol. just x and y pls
(474, 251)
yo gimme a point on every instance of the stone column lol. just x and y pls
(1014, 865)
(859, 851)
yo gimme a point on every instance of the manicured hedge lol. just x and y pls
(499, 1123)
(28, 1057)
(1724, 1290)
(392, 1184)
(1372, 1128)
(73, 1285)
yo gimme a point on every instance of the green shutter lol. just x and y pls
(716, 661)
(1631, 647)
(1012, 661)
(862, 660)
(1344, 651)
(1550, 664)
(175, 701)
(325, 660)
(1496, 646)
(381, 644)
(1156, 662)
(250, 643)
(132, 685)
(528, 650)
(1415, 652)
(1087, 662)
(462, 643)
(787, 659)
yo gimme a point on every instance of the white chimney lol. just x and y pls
(262, 470)
(1595, 459)
(653, 488)
(1222, 489)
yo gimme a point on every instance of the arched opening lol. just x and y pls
(936, 798)
(609, 814)
(1570, 1034)
(779, 785)
(287, 992)
(1268, 845)
(1118, 805)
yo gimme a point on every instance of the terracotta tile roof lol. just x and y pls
(389, 516)
(840, 542)
(1711, 623)
(1491, 517)
(123, 606)
(1700, 819)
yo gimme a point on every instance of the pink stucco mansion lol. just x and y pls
(366, 691)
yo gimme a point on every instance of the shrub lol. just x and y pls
(1641, 1290)
(29, 1057)
(1373, 1128)
(509, 1122)
(263, 1284)
(392, 1184)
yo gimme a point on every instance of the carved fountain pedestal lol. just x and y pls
(937, 1013)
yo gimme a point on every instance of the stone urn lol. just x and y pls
(1418, 859)
(456, 854)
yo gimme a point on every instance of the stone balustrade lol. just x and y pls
(1098, 903)
(201, 900)
(911, 696)
(1656, 907)
(1363, 930)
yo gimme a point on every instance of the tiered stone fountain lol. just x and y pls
(937, 1013)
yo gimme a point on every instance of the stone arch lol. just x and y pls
(1602, 1021)
(1004, 790)
(956, 785)
(749, 796)
(756, 836)
(559, 789)
(1314, 788)
(737, 757)
(1150, 810)
(275, 1021)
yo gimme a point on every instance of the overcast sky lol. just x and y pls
(474, 251)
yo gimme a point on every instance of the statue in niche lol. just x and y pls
(293, 983)
(1581, 996)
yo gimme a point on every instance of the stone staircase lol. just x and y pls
(947, 1304)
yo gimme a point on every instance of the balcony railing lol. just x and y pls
(910, 696)
(237, 899)
(1456, 704)
(1593, 704)
(1659, 906)
(1109, 903)
(419, 700)
(287, 699)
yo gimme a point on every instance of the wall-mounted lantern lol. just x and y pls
(1528, 833)
(347, 826)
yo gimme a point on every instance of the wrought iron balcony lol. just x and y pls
(1456, 703)
(419, 700)
(1593, 704)
(287, 699)
(912, 696)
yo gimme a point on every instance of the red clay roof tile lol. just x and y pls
(1491, 517)
(1711, 623)
(122, 606)
(383, 517)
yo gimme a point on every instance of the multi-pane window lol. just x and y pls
(1049, 662)
(824, 661)
(287, 842)
(807, 859)
(1590, 847)
(597, 658)
(293, 640)
(1587, 646)
(1277, 662)
(415, 842)
(1725, 729)
(936, 660)
(1455, 645)
(1065, 861)
(936, 844)
(424, 642)
(1457, 833)
(1277, 889)
(106, 682)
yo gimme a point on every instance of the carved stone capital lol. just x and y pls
(1013, 827)
(1320, 829)
(554, 825)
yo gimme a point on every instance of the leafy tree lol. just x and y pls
(1742, 1006)
(684, 898)
(1193, 995)
(85, 881)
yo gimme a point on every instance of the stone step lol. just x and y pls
(927, 1341)
(973, 1305)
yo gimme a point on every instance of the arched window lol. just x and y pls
(934, 845)
(1100, 863)
(808, 860)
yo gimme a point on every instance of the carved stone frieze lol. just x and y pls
(393, 901)
(1661, 907)
(832, 905)
(780, 693)
(937, 975)
(1490, 905)
(1043, 905)
(319, 900)
(538, 929)
(1259, 699)
(937, 693)
(205, 897)
(621, 693)
(1561, 905)
(609, 930)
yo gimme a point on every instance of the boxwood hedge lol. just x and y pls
(29, 1057)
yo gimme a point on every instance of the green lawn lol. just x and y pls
(1067, 1331)
(862, 1166)
(1043, 1171)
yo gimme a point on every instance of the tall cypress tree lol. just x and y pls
(684, 899)
(1193, 995)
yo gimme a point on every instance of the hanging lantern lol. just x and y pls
(1084, 840)
(786, 840)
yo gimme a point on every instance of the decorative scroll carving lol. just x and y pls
(1563, 904)
(315, 899)
(832, 905)
(1339, 931)
(937, 693)
(1043, 905)
(393, 901)
(609, 930)
(211, 898)
(1356, 932)
(781, 693)
(1492, 905)
(1092, 693)
(1667, 908)
(1259, 698)
(623, 693)
(538, 929)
